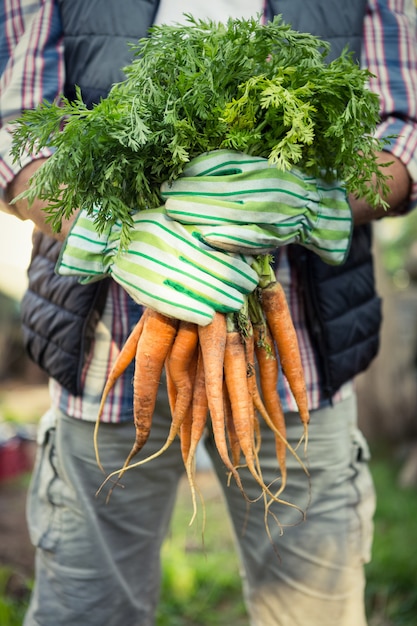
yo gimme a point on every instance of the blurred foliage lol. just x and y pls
(12, 605)
(391, 594)
(397, 236)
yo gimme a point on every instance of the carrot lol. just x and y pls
(249, 341)
(199, 413)
(260, 407)
(256, 427)
(242, 351)
(268, 374)
(278, 316)
(199, 406)
(230, 428)
(235, 372)
(185, 433)
(248, 345)
(157, 337)
(122, 362)
(171, 391)
(180, 363)
(212, 340)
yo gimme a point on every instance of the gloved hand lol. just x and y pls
(243, 204)
(166, 266)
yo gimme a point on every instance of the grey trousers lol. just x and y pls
(98, 563)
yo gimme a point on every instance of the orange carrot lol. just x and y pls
(257, 405)
(123, 360)
(171, 391)
(154, 344)
(239, 350)
(230, 428)
(199, 413)
(275, 306)
(268, 374)
(260, 407)
(235, 372)
(179, 374)
(199, 405)
(185, 433)
(182, 364)
(213, 344)
(180, 368)
(179, 362)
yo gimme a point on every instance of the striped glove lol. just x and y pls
(243, 204)
(166, 266)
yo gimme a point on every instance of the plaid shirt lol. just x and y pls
(32, 69)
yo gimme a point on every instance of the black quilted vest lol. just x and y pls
(59, 315)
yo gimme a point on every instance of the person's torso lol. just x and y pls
(97, 35)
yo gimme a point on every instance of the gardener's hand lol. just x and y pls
(241, 203)
(166, 266)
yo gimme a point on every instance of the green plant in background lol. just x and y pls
(392, 574)
(396, 237)
(11, 610)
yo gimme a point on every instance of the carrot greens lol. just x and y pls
(266, 90)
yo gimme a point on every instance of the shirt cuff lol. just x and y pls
(9, 168)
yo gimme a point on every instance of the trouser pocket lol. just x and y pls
(42, 510)
(366, 499)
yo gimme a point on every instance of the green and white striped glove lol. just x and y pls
(243, 204)
(166, 266)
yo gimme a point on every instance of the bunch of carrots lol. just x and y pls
(211, 371)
